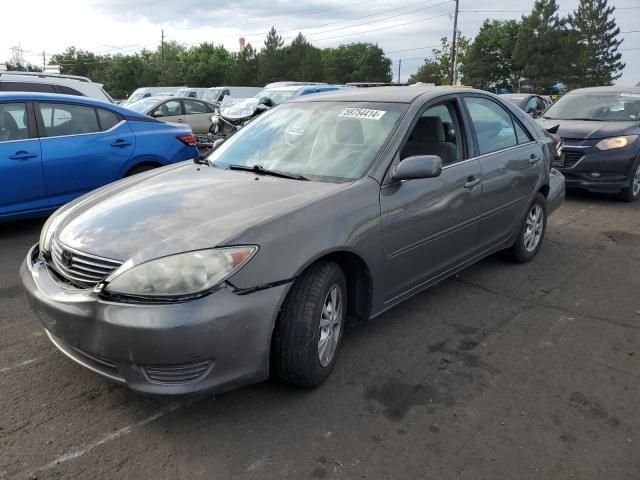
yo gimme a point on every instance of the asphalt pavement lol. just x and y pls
(501, 372)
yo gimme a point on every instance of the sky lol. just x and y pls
(405, 29)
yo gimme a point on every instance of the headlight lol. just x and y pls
(181, 274)
(616, 142)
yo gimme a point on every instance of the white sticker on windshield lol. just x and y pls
(362, 113)
(632, 95)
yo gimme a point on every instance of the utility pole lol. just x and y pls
(161, 51)
(44, 61)
(452, 69)
(399, 67)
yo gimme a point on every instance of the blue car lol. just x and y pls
(54, 148)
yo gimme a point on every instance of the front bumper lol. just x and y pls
(606, 171)
(214, 343)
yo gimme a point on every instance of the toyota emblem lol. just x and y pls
(67, 258)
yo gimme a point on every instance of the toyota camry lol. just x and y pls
(216, 273)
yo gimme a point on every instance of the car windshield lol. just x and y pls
(211, 95)
(597, 107)
(326, 141)
(135, 96)
(142, 106)
(277, 96)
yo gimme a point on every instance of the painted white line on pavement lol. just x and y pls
(24, 364)
(107, 438)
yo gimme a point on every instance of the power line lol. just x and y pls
(311, 27)
(384, 28)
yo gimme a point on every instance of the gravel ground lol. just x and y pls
(502, 372)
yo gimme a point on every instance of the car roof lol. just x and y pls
(59, 98)
(45, 75)
(383, 94)
(611, 89)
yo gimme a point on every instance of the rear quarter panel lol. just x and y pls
(157, 142)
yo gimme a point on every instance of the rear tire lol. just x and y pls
(531, 232)
(309, 329)
(145, 167)
(632, 192)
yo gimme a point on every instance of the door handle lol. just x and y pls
(120, 143)
(22, 155)
(533, 159)
(471, 182)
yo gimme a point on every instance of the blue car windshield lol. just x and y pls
(332, 141)
(597, 107)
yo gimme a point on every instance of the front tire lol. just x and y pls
(632, 192)
(531, 233)
(309, 329)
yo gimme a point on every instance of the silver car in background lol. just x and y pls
(213, 274)
(195, 113)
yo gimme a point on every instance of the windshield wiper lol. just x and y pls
(257, 168)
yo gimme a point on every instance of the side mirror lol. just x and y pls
(418, 166)
(156, 114)
(266, 101)
(217, 143)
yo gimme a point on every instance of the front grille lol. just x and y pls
(571, 157)
(82, 269)
(178, 374)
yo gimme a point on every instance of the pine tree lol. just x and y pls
(598, 61)
(541, 55)
(271, 63)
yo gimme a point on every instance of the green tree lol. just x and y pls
(429, 72)
(76, 62)
(243, 69)
(205, 65)
(436, 68)
(488, 62)
(356, 62)
(542, 54)
(598, 61)
(270, 59)
(303, 61)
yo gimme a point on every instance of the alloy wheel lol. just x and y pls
(533, 228)
(330, 325)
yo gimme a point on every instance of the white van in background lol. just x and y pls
(191, 92)
(144, 92)
(217, 94)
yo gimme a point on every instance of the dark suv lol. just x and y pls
(600, 130)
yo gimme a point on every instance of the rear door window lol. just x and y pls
(27, 87)
(68, 91)
(107, 119)
(492, 124)
(61, 119)
(13, 122)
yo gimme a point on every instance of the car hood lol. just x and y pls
(181, 208)
(585, 130)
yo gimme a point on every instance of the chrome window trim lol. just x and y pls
(479, 157)
(85, 134)
(2, 142)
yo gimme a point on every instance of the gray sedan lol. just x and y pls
(195, 113)
(214, 274)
